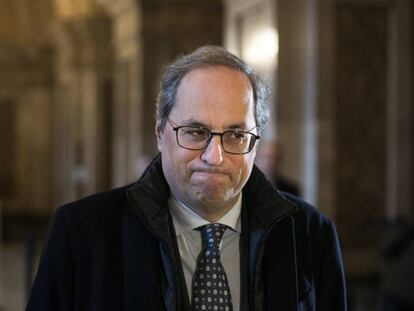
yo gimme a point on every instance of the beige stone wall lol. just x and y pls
(83, 72)
(344, 71)
(127, 106)
(25, 96)
(361, 97)
(84, 109)
(78, 99)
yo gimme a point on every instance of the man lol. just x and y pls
(397, 250)
(268, 159)
(202, 229)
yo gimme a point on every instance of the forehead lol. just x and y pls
(215, 95)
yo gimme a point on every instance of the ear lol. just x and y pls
(158, 134)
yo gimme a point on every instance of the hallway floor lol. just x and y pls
(12, 295)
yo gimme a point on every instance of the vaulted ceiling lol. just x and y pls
(25, 22)
(28, 23)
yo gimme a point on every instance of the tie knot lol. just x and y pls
(211, 234)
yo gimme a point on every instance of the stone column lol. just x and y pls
(297, 92)
(83, 100)
(373, 110)
(94, 77)
(325, 109)
(128, 159)
(64, 119)
(251, 33)
(400, 112)
(25, 137)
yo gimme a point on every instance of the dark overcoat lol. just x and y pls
(117, 251)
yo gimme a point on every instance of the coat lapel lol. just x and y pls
(271, 244)
(148, 199)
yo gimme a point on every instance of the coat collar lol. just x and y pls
(266, 204)
(149, 199)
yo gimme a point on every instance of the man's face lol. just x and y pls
(217, 98)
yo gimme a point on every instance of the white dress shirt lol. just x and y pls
(189, 243)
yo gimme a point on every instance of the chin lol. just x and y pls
(216, 197)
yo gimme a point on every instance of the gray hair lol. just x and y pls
(208, 56)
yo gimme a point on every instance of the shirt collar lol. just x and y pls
(186, 219)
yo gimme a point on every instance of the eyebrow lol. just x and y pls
(192, 122)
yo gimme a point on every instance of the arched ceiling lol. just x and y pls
(66, 9)
(28, 23)
(25, 22)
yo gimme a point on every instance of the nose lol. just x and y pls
(213, 154)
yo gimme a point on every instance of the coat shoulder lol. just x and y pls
(94, 215)
(307, 213)
(111, 201)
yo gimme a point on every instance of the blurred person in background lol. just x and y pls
(397, 248)
(202, 229)
(268, 159)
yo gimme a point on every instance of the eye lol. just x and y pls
(238, 135)
(194, 132)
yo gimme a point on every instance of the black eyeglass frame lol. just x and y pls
(176, 127)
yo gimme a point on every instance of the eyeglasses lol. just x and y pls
(198, 138)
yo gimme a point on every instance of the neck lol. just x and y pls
(213, 211)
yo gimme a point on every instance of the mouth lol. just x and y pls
(213, 171)
(209, 174)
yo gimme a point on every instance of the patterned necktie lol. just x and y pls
(210, 286)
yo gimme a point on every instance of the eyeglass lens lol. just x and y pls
(237, 142)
